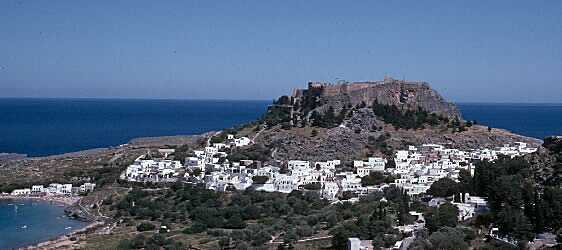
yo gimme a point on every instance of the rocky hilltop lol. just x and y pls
(388, 92)
(356, 120)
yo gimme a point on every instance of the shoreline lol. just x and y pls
(137, 141)
(66, 200)
(62, 240)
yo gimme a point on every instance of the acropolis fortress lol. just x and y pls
(329, 89)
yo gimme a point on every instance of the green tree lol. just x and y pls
(379, 227)
(326, 120)
(196, 172)
(539, 214)
(512, 222)
(376, 178)
(448, 238)
(444, 216)
(444, 187)
(196, 227)
(341, 116)
(124, 244)
(139, 241)
(346, 195)
(498, 245)
(330, 117)
(465, 181)
(314, 133)
(259, 179)
(313, 186)
(290, 238)
(404, 209)
(505, 190)
(145, 227)
(342, 233)
(235, 222)
(301, 207)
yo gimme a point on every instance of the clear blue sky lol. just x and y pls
(493, 51)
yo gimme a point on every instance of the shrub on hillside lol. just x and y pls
(145, 227)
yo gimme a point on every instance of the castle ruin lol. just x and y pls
(325, 89)
(389, 91)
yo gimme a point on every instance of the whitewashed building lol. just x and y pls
(37, 189)
(24, 191)
(87, 187)
(373, 164)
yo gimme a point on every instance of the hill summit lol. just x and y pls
(388, 92)
(362, 119)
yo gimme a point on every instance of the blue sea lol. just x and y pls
(41, 127)
(44, 221)
(533, 120)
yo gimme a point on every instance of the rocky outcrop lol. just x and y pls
(77, 212)
(548, 162)
(336, 143)
(397, 93)
(362, 119)
(349, 141)
(390, 92)
(553, 144)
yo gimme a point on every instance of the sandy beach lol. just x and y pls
(67, 200)
(63, 241)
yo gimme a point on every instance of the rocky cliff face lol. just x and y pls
(77, 212)
(547, 162)
(395, 93)
(390, 92)
(553, 144)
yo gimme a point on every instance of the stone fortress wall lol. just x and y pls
(323, 89)
(389, 91)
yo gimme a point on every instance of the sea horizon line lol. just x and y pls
(132, 99)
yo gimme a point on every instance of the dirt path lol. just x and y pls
(257, 134)
(272, 241)
(316, 238)
(87, 210)
(211, 137)
(116, 157)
